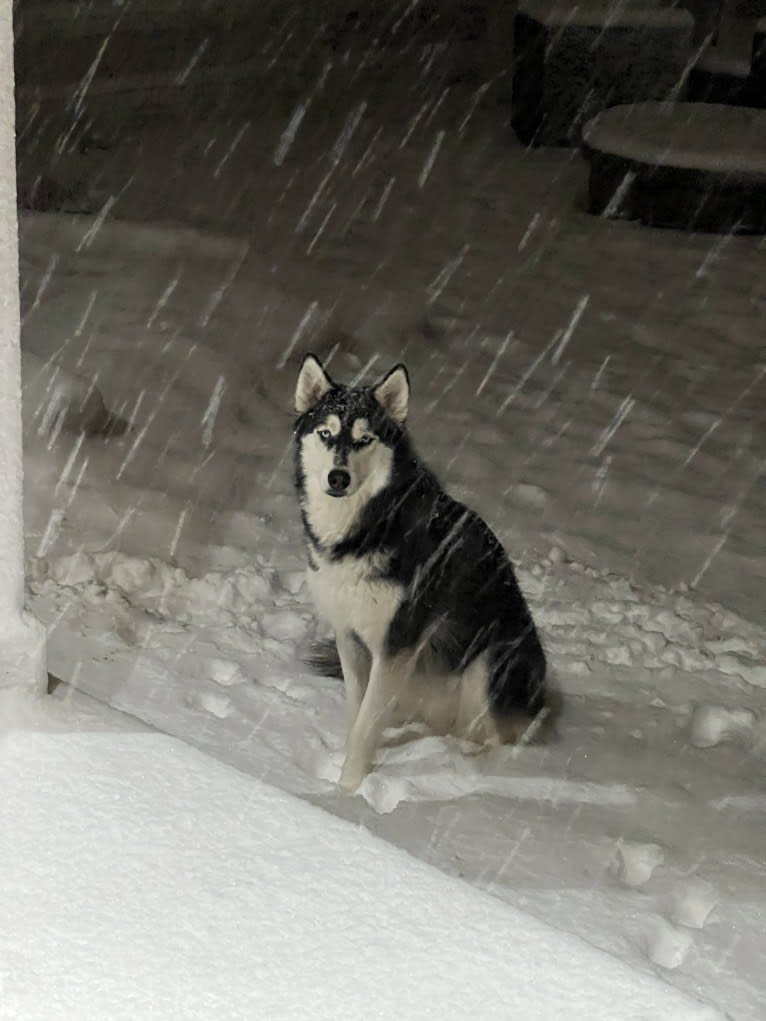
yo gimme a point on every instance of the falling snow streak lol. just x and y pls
(435, 108)
(211, 412)
(435, 288)
(98, 223)
(179, 529)
(301, 225)
(141, 435)
(714, 425)
(63, 141)
(52, 418)
(86, 314)
(493, 365)
(404, 15)
(677, 91)
(217, 296)
(66, 470)
(601, 370)
(623, 411)
(709, 560)
(356, 211)
(437, 560)
(122, 524)
(358, 378)
(712, 254)
(61, 348)
(413, 124)
(163, 299)
(454, 378)
(620, 192)
(321, 227)
(352, 123)
(477, 98)
(431, 159)
(307, 317)
(364, 159)
(80, 92)
(201, 465)
(527, 375)
(277, 53)
(600, 480)
(288, 135)
(369, 52)
(277, 206)
(383, 199)
(279, 37)
(229, 152)
(558, 376)
(53, 262)
(576, 316)
(181, 79)
(90, 235)
(22, 132)
(58, 515)
(434, 51)
(52, 530)
(529, 231)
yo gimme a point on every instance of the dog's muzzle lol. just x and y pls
(338, 481)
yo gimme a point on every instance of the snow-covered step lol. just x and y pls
(140, 878)
(573, 60)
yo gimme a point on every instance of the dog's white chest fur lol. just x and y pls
(350, 595)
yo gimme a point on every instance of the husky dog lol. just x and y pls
(429, 621)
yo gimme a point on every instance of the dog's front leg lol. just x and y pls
(388, 676)
(355, 663)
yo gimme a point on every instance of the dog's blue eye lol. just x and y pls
(365, 440)
(324, 434)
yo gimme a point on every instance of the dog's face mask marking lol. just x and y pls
(345, 434)
(341, 453)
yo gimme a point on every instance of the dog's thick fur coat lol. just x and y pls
(429, 619)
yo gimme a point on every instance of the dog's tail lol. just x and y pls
(323, 658)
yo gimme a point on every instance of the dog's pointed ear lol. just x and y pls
(313, 383)
(393, 393)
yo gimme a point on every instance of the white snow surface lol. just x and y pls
(140, 878)
(593, 388)
(697, 136)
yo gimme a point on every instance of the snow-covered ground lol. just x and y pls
(141, 879)
(596, 390)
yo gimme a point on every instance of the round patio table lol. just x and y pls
(692, 166)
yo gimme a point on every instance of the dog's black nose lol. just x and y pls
(338, 480)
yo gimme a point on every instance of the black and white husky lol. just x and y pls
(429, 620)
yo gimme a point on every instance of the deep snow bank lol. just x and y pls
(139, 878)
